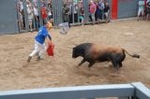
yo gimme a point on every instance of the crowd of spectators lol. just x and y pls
(72, 12)
(143, 10)
(98, 11)
(35, 11)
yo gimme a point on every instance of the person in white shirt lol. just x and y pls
(36, 16)
(30, 15)
(140, 9)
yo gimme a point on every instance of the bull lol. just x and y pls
(93, 53)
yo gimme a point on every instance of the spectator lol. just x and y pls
(20, 16)
(92, 11)
(30, 15)
(81, 15)
(140, 10)
(71, 12)
(64, 27)
(145, 9)
(50, 13)
(36, 16)
(106, 11)
(97, 11)
(101, 8)
(44, 13)
(65, 12)
(40, 41)
(75, 12)
(148, 10)
(20, 21)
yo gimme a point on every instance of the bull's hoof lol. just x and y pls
(39, 58)
(29, 59)
(89, 69)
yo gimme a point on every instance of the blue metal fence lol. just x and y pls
(127, 8)
(122, 91)
(8, 17)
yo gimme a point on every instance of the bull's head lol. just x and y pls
(74, 53)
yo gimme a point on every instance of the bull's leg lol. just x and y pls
(91, 64)
(116, 66)
(83, 60)
(120, 64)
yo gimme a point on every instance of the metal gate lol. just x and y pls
(16, 20)
(8, 17)
(57, 11)
(127, 8)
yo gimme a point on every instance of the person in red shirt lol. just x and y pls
(92, 10)
(145, 9)
(148, 10)
(44, 13)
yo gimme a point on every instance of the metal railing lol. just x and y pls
(122, 91)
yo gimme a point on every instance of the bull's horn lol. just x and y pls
(74, 45)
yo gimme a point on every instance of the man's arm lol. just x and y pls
(50, 38)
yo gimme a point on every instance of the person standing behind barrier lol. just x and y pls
(101, 8)
(39, 46)
(30, 15)
(145, 9)
(65, 11)
(75, 12)
(44, 13)
(50, 13)
(140, 9)
(92, 11)
(97, 11)
(22, 12)
(106, 11)
(20, 16)
(81, 15)
(36, 16)
(148, 10)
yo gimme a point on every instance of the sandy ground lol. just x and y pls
(61, 70)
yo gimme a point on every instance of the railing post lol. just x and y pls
(26, 15)
(141, 91)
(86, 10)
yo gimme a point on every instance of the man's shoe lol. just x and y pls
(29, 59)
(39, 58)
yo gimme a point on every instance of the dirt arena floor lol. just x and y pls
(61, 70)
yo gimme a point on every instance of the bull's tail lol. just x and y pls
(134, 55)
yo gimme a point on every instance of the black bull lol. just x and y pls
(93, 53)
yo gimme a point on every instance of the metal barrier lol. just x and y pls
(122, 91)
(74, 16)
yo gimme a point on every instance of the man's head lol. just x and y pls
(48, 25)
(51, 20)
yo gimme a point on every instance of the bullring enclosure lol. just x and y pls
(62, 70)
